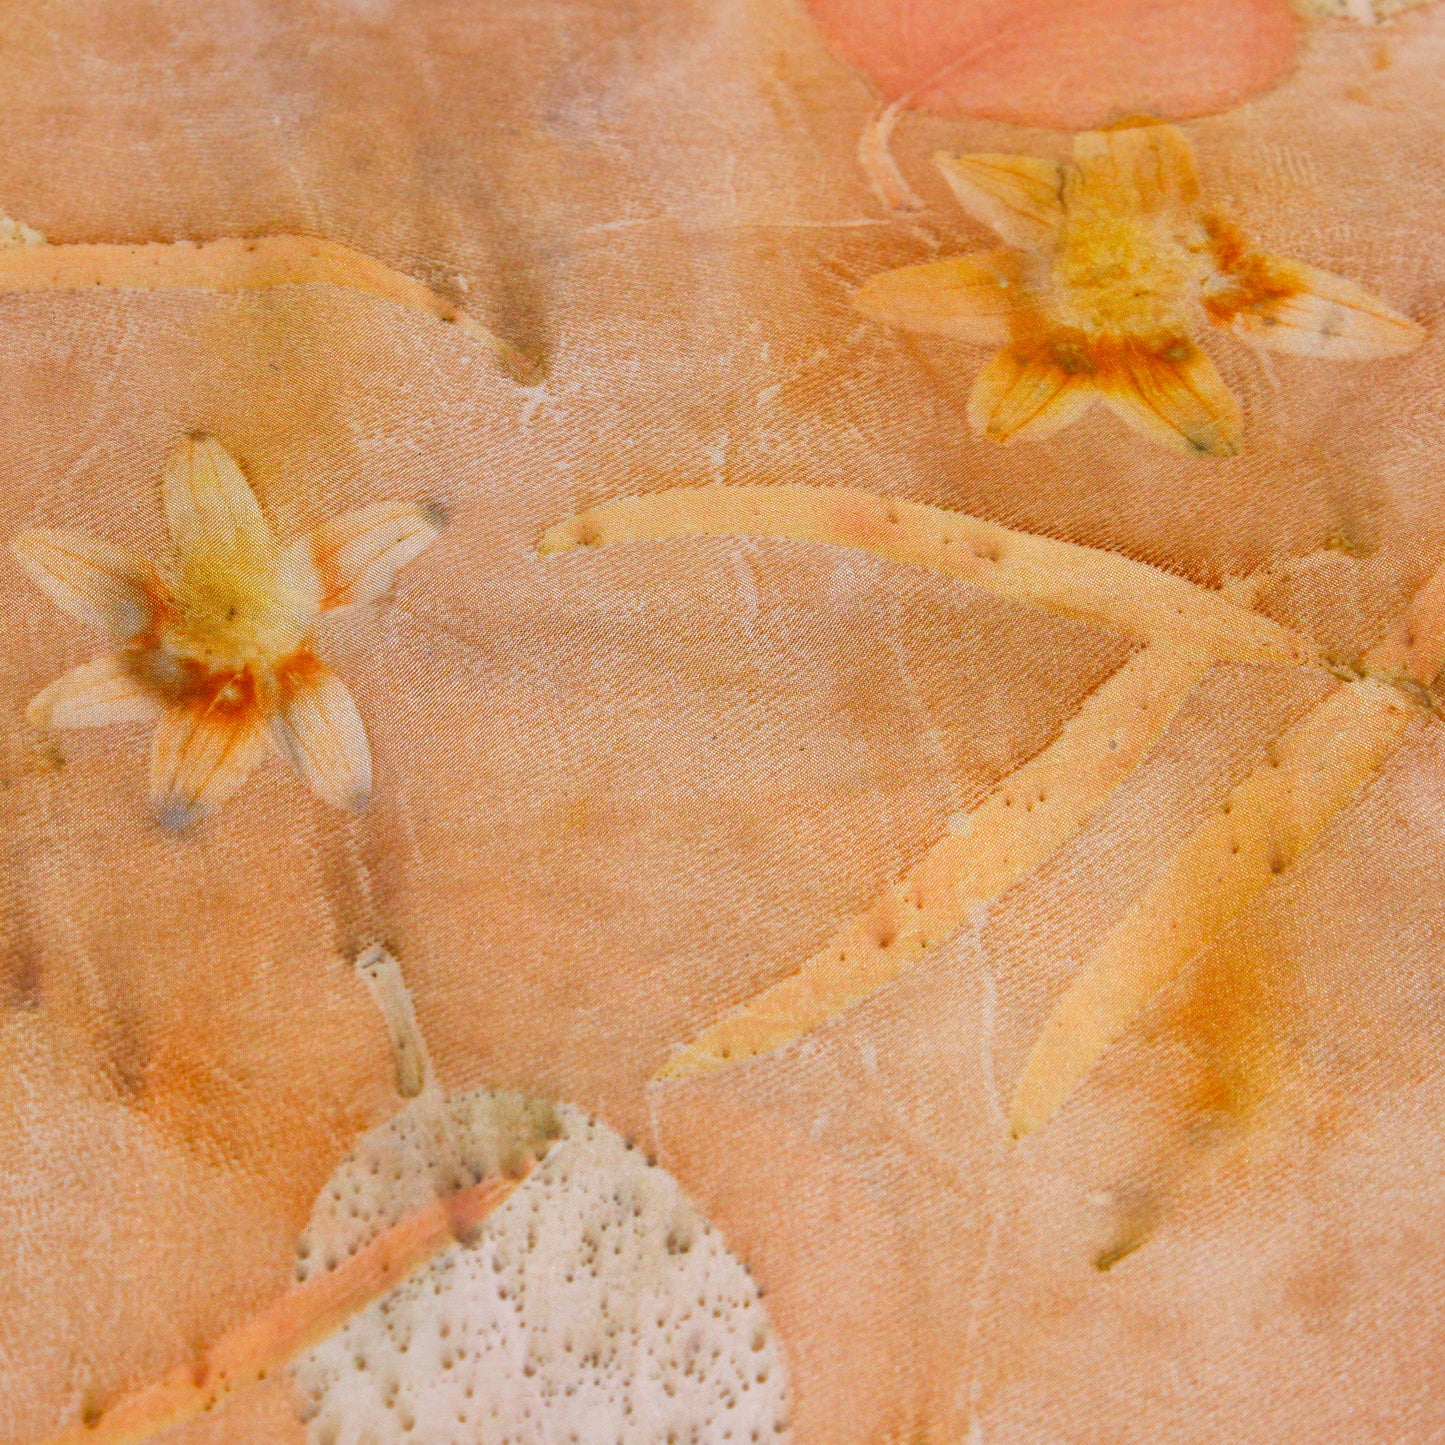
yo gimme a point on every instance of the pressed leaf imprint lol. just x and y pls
(1111, 268)
(296, 1321)
(446, 1206)
(1313, 772)
(214, 646)
(234, 263)
(1084, 583)
(597, 1304)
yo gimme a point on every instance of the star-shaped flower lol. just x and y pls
(215, 644)
(1112, 268)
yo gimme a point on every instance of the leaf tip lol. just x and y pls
(565, 535)
(435, 514)
(527, 370)
(1021, 1125)
(689, 1063)
(865, 299)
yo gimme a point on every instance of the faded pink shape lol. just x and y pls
(1069, 64)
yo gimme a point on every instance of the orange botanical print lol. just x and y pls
(1112, 267)
(215, 644)
(1312, 773)
(230, 264)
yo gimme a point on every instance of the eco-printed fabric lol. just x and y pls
(619, 791)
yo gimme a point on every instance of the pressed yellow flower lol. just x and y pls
(1112, 267)
(215, 645)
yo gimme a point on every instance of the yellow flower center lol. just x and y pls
(231, 612)
(1126, 275)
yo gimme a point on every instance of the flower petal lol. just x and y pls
(97, 583)
(1308, 312)
(1027, 394)
(203, 751)
(92, 695)
(1020, 197)
(1065, 64)
(209, 503)
(1147, 167)
(1173, 395)
(966, 298)
(318, 727)
(357, 555)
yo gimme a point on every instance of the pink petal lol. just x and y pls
(1070, 64)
